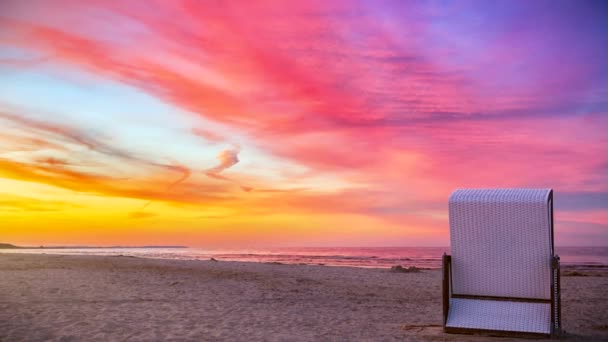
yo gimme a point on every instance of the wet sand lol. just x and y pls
(93, 298)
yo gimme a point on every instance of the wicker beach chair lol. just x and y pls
(502, 277)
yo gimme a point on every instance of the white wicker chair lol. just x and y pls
(502, 277)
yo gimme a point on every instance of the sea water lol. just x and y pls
(376, 257)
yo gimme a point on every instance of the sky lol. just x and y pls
(295, 123)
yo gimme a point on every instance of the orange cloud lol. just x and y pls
(227, 158)
(141, 215)
(10, 202)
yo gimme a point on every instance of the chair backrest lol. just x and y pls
(502, 242)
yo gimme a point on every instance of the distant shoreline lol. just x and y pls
(10, 246)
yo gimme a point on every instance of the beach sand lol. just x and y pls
(93, 298)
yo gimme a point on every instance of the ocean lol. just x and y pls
(375, 257)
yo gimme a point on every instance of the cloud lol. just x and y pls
(150, 187)
(207, 134)
(581, 201)
(185, 175)
(59, 136)
(53, 161)
(323, 97)
(10, 202)
(227, 158)
(141, 215)
(68, 171)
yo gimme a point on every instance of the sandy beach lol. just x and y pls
(93, 298)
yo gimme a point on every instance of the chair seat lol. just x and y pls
(499, 315)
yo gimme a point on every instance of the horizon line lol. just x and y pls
(243, 247)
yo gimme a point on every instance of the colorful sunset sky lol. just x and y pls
(295, 123)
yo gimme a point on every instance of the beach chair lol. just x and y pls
(502, 277)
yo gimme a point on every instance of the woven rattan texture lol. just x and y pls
(501, 242)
